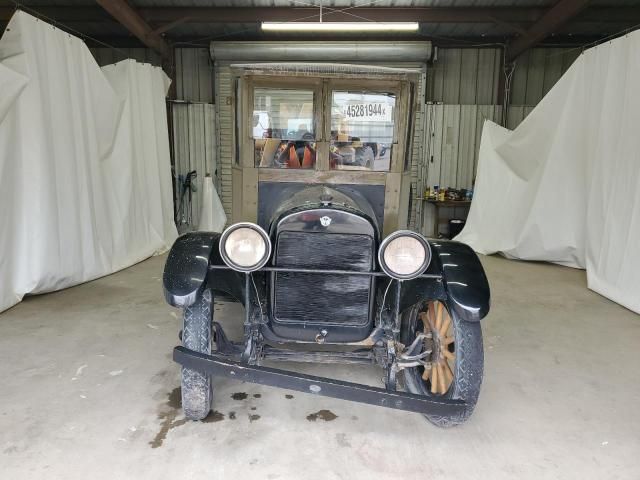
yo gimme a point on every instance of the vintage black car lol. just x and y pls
(320, 284)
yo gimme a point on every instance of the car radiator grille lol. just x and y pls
(323, 298)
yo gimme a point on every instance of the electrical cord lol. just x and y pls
(262, 322)
(384, 300)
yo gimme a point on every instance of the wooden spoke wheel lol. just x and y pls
(454, 367)
(437, 324)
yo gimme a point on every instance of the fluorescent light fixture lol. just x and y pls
(341, 26)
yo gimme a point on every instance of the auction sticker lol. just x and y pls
(371, 111)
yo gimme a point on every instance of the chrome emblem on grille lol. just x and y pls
(325, 221)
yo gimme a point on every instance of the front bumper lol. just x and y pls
(219, 365)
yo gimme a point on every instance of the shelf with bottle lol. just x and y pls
(437, 194)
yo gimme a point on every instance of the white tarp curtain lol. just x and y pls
(85, 179)
(564, 186)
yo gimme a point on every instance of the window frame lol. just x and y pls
(368, 91)
(280, 83)
(322, 102)
(371, 86)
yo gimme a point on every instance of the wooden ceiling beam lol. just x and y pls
(558, 15)
(132, 21)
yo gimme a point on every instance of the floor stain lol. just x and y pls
(253, 408)
(341, 438)
(169, 422)
(239, 396)
(326, 415)
(257, 395)
(160, 377)
(232, 415)
(214, 416)
(253, 418)
(175, 398)
(288, 396)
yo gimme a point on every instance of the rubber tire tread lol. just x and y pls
(197, 391)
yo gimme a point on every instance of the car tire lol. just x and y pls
(197, 391)
(468, 368)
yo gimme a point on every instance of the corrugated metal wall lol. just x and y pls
(471, 75)
(463, 91)
(194, 75)
(538, 70)
(194, 148)
(453, 133)
(195, 139)
(225, 126)
(465, 76)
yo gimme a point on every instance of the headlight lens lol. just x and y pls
(404, 255)
(245, 247)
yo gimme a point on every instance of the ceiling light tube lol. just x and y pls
(341, 26)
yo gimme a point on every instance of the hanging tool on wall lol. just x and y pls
(185, 209)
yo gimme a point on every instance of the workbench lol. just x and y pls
(439, 218)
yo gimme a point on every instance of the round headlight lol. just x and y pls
(245, 247)
(404, 255)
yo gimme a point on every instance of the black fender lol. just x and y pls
(464, 285)
(186, 271)
(465, 282)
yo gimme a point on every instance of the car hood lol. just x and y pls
(321, 196)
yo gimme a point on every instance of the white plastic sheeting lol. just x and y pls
(85, 179)
(212, 216)
(564, 186)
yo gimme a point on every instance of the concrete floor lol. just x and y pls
(87, 382)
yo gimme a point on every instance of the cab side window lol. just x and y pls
(283, 128)
(362, 129)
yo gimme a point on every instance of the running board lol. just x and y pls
(218, 365)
